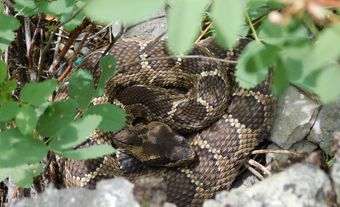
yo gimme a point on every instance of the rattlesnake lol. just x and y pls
(197, 97)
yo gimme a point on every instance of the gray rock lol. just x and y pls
(301, 185)
(335, 174)
(295, 114)
(150, 191)
(327, 122)
(116, 192)
(151, 29)
(116, 28)
(304, 146)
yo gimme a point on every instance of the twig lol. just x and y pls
(27, 34)
(32, 43)
(111, 36)
(74, 34)
(57, 44)
(203, 33)
(118, 36)
(108, 48)
(6, 58)
(100, 31)
(40, 54)
(47, 46)
(75, 55)
(251, 26)
(258, 165)
(266, 151)
(252, 170)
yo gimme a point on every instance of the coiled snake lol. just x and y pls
(195, 97)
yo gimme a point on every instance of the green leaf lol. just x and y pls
(259, 8)
(27, 8)
(281, 35)
(26, 120)
(6, 37)
(292, 57)
(6, 89)
(64, 10)
(57, 7)
(127, 11)
(184, 23)
(113, 116)
(37, 93)
(41, 109)
(56, 116)
(324, 50)
(8, 111)
(227, 16)
(17, 149)
(8, 23)
(310, 81)
(252, 66)
(81, 88)
(92, 152)
(75, 132)
(4, 173)
(3, 71)
(77, 20)
(328, 84)
(23, 175)
(2, 126)
(280, 78)
(108, 66)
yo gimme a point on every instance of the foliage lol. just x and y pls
(66, 123)
(296, 39)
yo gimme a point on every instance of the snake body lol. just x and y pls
(197, 97)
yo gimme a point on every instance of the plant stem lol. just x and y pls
(251, 26)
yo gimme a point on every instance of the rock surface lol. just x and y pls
(335, 174)
(327, 123)
(149, 29)
(153, 28)
(117, 192)
(300, 185)
(295, 115)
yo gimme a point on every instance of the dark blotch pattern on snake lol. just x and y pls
(195, 96)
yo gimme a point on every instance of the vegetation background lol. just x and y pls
(297, 39)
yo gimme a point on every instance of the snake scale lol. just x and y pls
(196, 97)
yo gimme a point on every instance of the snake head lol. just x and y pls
(171, 148)
(159, 145)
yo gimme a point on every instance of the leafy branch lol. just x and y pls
(28, 121)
